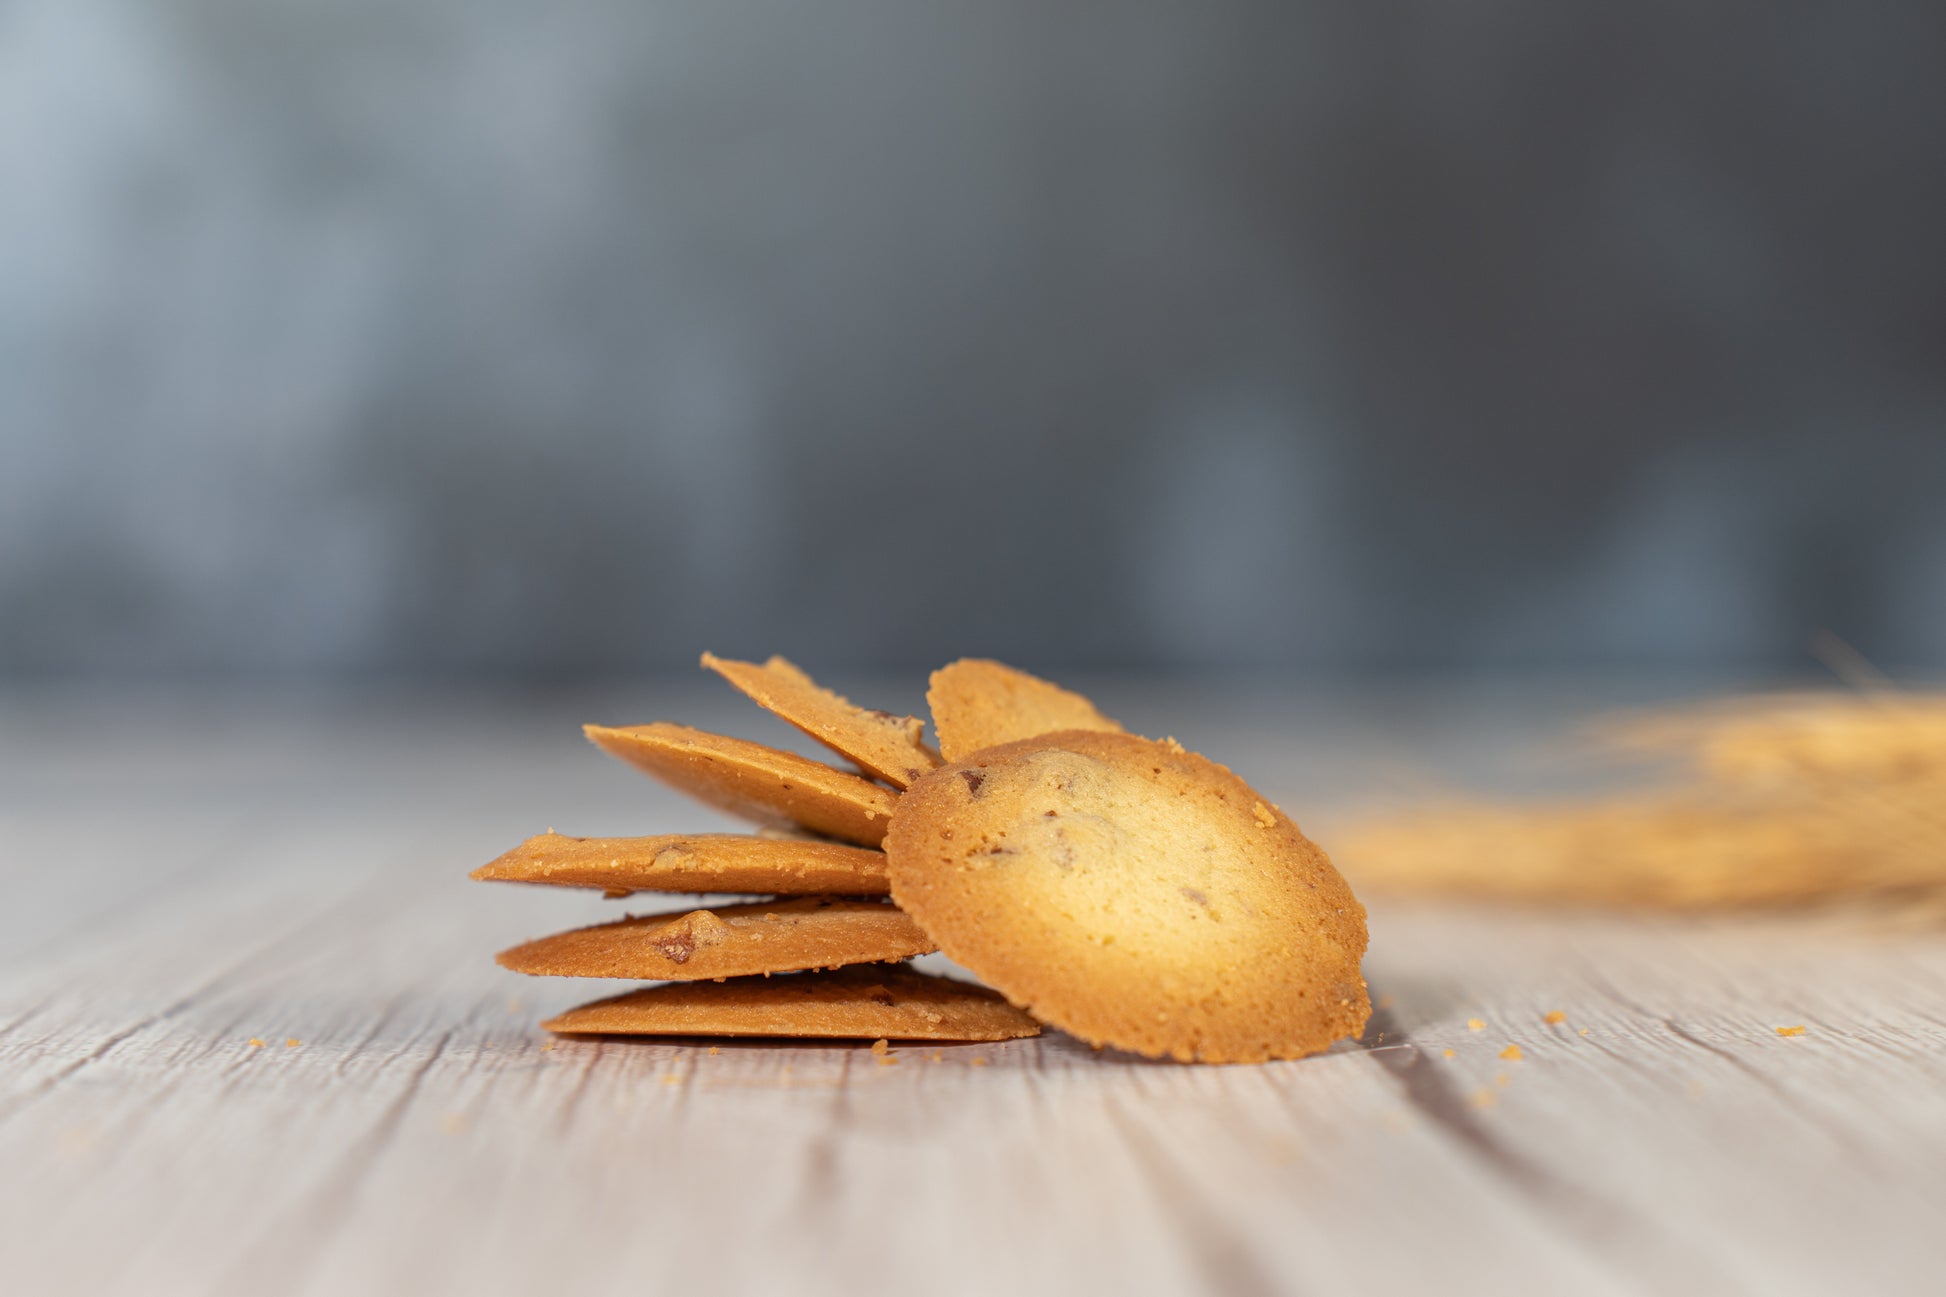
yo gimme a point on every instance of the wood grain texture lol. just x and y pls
(274, 870)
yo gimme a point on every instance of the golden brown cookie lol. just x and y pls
(978, 703)
(729, 941)
(863, 1003)
(1135, 895)
(883, 744)
(693, 862)
(753, 781)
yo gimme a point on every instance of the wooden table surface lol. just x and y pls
(186, 875)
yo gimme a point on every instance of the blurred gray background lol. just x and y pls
(349, 338)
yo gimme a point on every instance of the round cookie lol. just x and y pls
(882, 743)
(862, 1003)
(693, 862)
(728, 941)
(1135, 895)
(756, 782)
(977, 703)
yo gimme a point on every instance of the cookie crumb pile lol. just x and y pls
(1127, 891)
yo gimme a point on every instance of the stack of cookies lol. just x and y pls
(828, 925)
(1127, 891)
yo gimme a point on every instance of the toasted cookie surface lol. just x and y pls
(862, 1003)
(756, 782)
(693, 862)
(977, 703)
(1135, 895)
(885, 745)
(728, 941)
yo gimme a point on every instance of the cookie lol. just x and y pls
(729, 941)
(862, 1003)
(754, 781)
(693, 862)
(978, 703)
(1135, 895)
(882, 744)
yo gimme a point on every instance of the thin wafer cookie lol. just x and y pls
(978, 703)
(883, 744)
(728, 941)
(863, 1003)
(756, 782)
(693, 862)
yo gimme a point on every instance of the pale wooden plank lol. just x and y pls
(423, 1140)
(1799, 1164)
